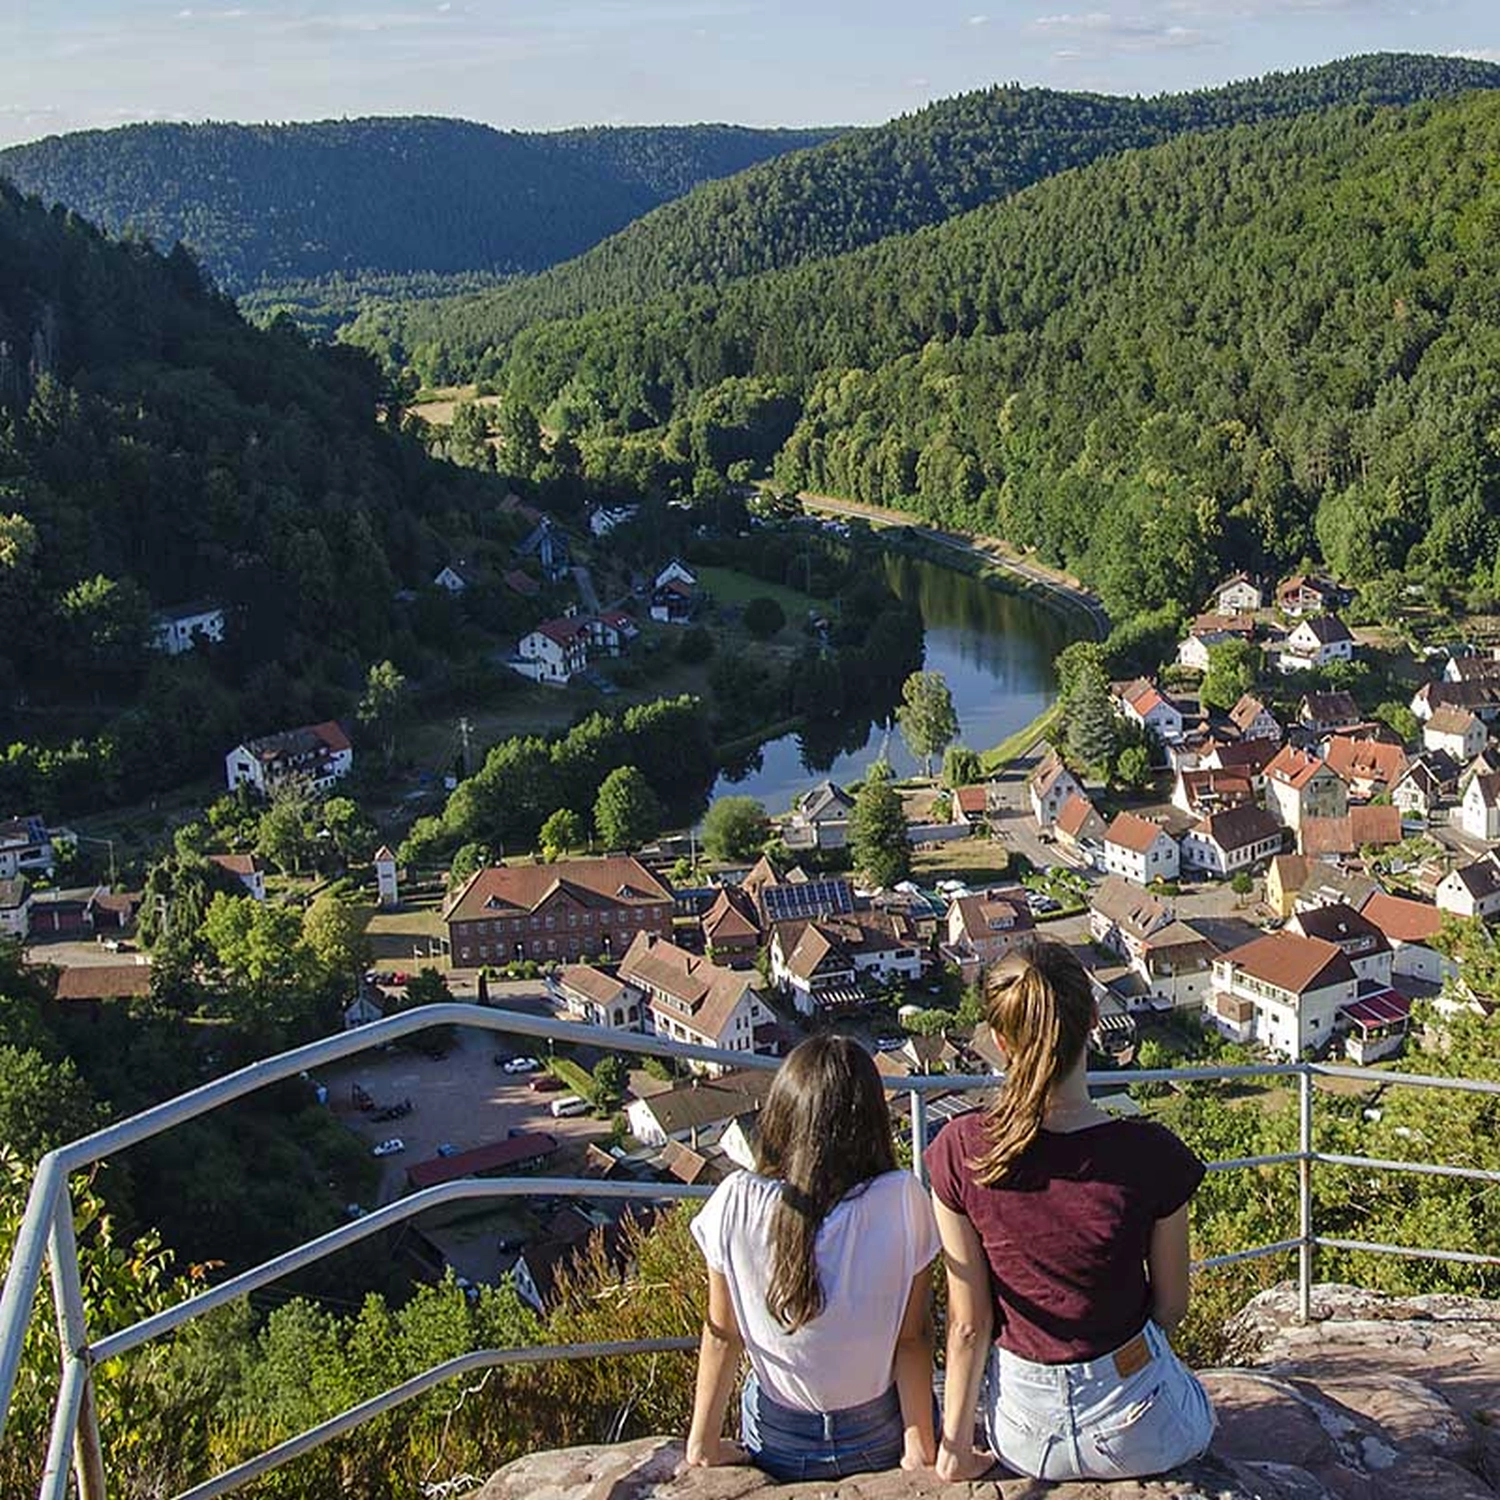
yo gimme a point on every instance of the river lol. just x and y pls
(995, 650)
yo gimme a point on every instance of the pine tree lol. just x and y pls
(1091, 720)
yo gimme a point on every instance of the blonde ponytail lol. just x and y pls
(1040, 1002)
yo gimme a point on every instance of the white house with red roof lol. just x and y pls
(1284, 991)
(1455, 731)
(1143, 703)
(1300, 785)
(1411, 927)
(1254, 720)
(314, 756)
(1051, 784)
(555, 652)
(1140, 850)
(247, 869)
(611, 631)
(1318, 641)
(1479, 812)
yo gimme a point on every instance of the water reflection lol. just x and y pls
(996, 651)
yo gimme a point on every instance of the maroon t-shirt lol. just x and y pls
(1067, 1233)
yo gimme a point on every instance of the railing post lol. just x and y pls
(919, 1134)
(72, 1330)
(1304, 1196)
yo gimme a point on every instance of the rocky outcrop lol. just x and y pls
(1377, 1398)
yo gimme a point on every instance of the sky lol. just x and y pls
(546, 64)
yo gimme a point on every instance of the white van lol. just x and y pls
(568, 1104)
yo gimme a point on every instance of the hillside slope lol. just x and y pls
(1239, 345)
(918, 170)
(277, 203)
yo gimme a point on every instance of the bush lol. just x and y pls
(764, 617)
(696, 645)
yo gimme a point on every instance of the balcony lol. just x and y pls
(46, 1234)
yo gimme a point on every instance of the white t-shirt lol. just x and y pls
(869, 1249)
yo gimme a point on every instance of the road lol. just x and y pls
(989, 549)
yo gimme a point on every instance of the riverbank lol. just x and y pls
(985, 558)
(1013, 746)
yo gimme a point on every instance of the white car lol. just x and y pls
(522, 1065)
(392, 1147)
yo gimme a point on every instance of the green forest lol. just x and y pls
(1254, 344)
(264, 204)
(920, 169)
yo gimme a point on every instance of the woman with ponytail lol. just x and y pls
(1066, 1242)
(820, 1269)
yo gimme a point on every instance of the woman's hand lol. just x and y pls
(916, 1455)
(716, 1453)
(960, 1462)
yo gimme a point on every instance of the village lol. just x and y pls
(1282, 883)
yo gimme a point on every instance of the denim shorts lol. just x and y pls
(1090, 1421)
(792, 1445)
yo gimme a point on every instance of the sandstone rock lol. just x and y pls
(1377, 1398)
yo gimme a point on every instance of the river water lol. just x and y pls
(996, 651)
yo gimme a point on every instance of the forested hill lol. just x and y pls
(277, 203)
(917, 170)
(1238, 346)
(155, 448)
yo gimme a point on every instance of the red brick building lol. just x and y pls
(556, 913)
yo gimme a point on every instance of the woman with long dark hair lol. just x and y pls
(820, 1269)
(1065, 1236)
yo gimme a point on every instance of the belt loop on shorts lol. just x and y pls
(828, 1427)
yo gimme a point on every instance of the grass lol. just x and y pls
(738, 589)
(974, 861)
(1012, 748)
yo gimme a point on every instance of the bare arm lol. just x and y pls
(914, 1373)
(970, 1324)
(1169, 1265)
(718, 1362)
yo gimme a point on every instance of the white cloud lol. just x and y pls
(1477, 54)
(1109, 32)
(978, 20)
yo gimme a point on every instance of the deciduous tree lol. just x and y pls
(926, 715)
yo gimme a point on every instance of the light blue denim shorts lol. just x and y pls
(1090, 1421)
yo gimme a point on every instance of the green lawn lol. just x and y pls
(729, 587)
(1023, 739)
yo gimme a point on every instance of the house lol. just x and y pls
(1410, 927)
(731, 927)
(1303, 593)
(1238, 838)
(1299, 785)
(612, 631)
(1428, 781)
(1285, 876)
(521, 583)
(1471, 890)
(692, 999)
(1353, 934)
(1325, 712)
(1239, 594)
(605, 519)
(1481, 698)
(1207, 790)
(1254, 720)
(1368, 766)
(85, 983)
(456, 576)
(245, 868)
(568, 1237)
(80, 911)
(180, 629)
(1248, 757)
(674, 594)
(1317, 642)
(1372, 825)
(971, 805)
(693, 1110)
(558, 912)
(1175, 967)
(1479, 812)
(549, 547)
(1051, 784)
(1081, 830)
(518, 1152)
(387, 882)
(314, 757)
(1328, 885)
(1471, 669)
(1282, 991)
(26, 847)
(1456, 731)
(1209, 631)
(1140, 850)
(15, 908)
(598, 998)
(1122, 917)
(818, 963)
(984, 928)
(554, 652)
(1142, 702)
(820, 818)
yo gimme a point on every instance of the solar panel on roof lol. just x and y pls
(808, 899)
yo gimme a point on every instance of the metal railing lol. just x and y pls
(46, 1231)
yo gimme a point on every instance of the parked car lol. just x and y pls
(522, 1065)
(447, 1149)
(568, 1104)
(544, 1083)
(393, 1147)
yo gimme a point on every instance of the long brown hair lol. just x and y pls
(1039, 1001)
(824, 1131)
